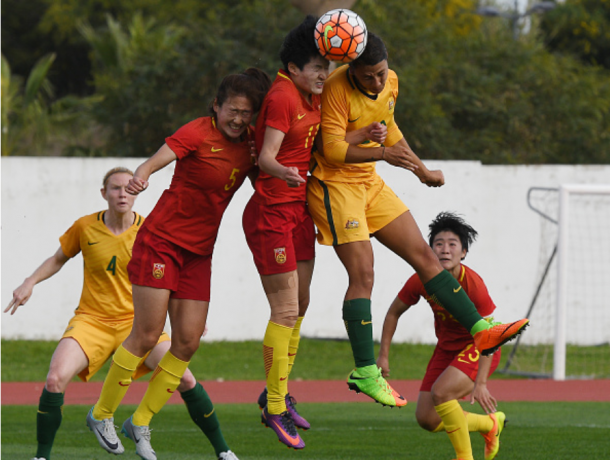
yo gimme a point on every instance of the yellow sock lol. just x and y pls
(163, 383)
(275, 354)
(480, 423)
(293, 345)
(116, 384)
(453, 417)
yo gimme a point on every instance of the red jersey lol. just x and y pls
(452, 336)
(209, 170)
(286, 110)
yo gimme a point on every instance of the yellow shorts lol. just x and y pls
(100, 339)
(346, 212)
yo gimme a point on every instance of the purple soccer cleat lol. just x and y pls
(284, 427)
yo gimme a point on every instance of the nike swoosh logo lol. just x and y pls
(353, 377)
(91, 244)
(327, 29)
(170, 391)
(453, 431)
(292, 441)
(292, 354)
(364, 323)
(216, 150)
(109, 444)
(208, 415)
(283, 378)
(507, 328)
(352, 121)
(300, 117)
(457, 290)
(41, 412)
(124, 384)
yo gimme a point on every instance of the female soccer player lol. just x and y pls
(349, 201)
(456, 368)
(170, 268)
(278, 227)
(277, 224)
(105, 313)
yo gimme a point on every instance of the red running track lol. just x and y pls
(320, 391)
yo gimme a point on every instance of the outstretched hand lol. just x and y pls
(20, 296)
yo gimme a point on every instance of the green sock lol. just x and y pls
(48, 421)
(202, 412)
(447, 292)
(359, 325)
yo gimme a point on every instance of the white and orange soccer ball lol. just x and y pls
(340, 35)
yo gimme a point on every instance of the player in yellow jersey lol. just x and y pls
(104, 316)
(349, 202)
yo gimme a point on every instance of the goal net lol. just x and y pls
(570, 309)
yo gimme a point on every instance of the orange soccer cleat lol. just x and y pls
(492, 439)
(496, 335)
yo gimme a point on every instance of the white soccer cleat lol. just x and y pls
(228, 455)
(141, 436)
(105, 433)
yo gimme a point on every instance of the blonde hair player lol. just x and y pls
(104, 315)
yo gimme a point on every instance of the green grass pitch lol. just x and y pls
(536, 431)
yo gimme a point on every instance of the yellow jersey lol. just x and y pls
(106, 287)
(346, 107)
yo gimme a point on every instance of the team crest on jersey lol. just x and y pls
(158, 271)
(280, 255)
(391, 105)
(352, 224)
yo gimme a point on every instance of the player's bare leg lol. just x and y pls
(68, 360)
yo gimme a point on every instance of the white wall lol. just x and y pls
(41, 198)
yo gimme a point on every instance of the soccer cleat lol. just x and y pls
(284, 427)
(376, 387)
(491, 339)
(228, 455)
(492, 439)
(141, 436)
(105, 433)
(298, 420)
(262, 399)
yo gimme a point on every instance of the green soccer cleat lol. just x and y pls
(368, 380)
(492, 439)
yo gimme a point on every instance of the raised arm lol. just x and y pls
(47, 269)
(395, 311)
(139, 181)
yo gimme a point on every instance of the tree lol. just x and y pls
(580, 28)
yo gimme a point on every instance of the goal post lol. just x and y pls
(570, 332)
(563, 252)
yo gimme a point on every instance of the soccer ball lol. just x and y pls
(340, 35)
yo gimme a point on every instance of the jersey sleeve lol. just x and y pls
(70, 241)
(478, 293)
(280, 111)
(187, 139)
(335, 113)
(411, 291)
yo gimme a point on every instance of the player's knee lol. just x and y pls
(187, 382)
(363, 278)
(426, 423)
(56, 383)
(184, 349)
(440, 395)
